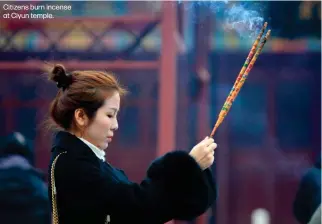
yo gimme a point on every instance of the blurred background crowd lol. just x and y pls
(179, 60)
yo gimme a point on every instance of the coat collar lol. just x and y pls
(71, 144)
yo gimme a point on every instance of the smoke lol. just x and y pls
(245, 18)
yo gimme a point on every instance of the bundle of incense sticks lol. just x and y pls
(242, 76)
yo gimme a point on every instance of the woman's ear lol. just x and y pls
(81, 118)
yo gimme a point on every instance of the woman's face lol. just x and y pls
(101, 130)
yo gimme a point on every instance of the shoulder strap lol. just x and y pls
(53, 191)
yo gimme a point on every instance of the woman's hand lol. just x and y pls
(204, 152)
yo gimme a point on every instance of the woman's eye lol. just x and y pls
(110, 116)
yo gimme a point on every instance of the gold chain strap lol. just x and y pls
(53, 191)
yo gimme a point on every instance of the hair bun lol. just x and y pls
(59, 75)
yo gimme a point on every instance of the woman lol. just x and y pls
(87, 189)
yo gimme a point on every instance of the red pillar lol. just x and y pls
(167, 81)
(223, 164)
(202, 45)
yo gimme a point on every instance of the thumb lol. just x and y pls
(203, 141)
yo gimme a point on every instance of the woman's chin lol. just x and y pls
(104, 146)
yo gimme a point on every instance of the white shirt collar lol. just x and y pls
(98, 152)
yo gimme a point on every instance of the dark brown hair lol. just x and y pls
(79, 89)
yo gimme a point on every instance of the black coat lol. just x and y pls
(308, 195)
(89, 189)
(23, 193)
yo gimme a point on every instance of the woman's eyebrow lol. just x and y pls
(114, 109)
